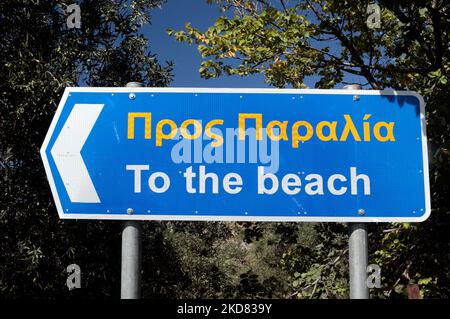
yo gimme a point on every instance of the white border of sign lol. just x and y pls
(69, 90)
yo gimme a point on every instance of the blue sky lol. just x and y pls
(174, 14)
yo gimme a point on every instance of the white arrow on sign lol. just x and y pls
(66, 153)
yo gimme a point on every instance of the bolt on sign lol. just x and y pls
(239, 154)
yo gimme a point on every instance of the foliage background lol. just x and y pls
(284, 40)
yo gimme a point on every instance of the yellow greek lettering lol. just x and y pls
(147, 125)
(389, 131)
(258, 121)
(218, 138)
(160, 135)
(283, 127)
(297, 137)
(366, 126)
(350, 127)
(197, 129)
(331, 127)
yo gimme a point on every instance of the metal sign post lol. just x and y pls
(358, 260)
(130, 283)
(358, 248)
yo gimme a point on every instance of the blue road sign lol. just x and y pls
(238, 154)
